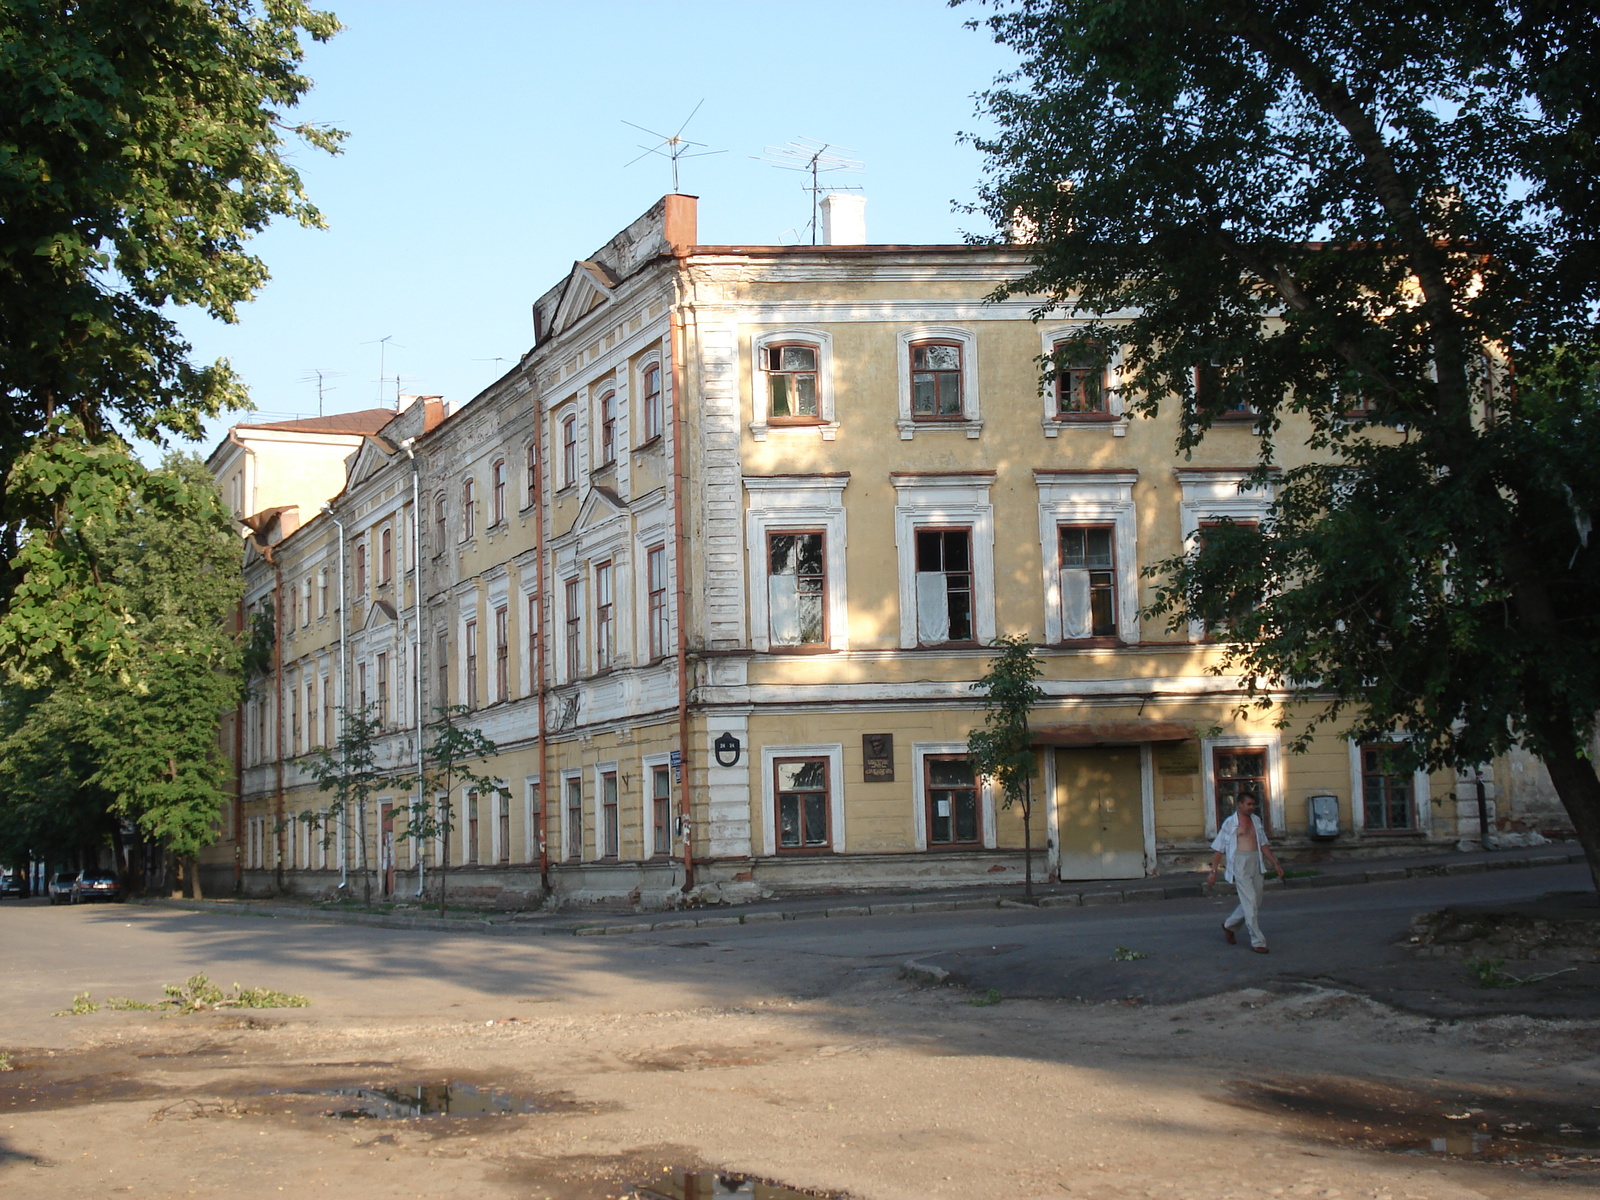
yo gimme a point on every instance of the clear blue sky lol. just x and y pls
(487, 151)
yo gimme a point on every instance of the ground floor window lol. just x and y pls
(1386, 788)
(472, 828)
(505, 826)
(1239, 771)
(608, 815)
(574, 819)
(802, 793)
(952, 797)
(661, 810)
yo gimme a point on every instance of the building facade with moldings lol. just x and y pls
(716, 566)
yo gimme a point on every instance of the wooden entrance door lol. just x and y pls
(1100, 813)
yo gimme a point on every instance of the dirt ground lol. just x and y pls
(852, 1082)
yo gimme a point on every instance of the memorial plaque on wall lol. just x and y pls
(877, 758)
(1178, 758)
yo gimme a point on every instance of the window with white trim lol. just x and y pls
(656, 612)
(944, 586)
(791, 372)
(1212, 496)
(1088, 538)
(651, 402)
(795, 549)
(572, 817)
(944, 536)
(938, 380)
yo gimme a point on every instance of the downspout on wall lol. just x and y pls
(680, 481)
(541, 682)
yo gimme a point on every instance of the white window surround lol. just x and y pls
(563, 808)
(834, 753)
(599, 771)
(1212, 495)
(788, 502)
(1089, 498)
(1421, 796)
(651, 358)
(1244, 741)
(531, 847)
(919, 792)
(951, 502)
(826, 425)
(647, 765)
(1117, 425)
(970, 422)
(652, 530)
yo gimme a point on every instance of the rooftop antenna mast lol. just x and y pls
(814, 158)
(383, 348)
(321, 375)
(673, 146)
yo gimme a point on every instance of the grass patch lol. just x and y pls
(1491, 973)
(1124, 954)
(195, 994)
(986, 999)
(5, 1062)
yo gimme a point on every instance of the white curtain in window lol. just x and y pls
(783, 607)
(1076, 618)
(933, 608)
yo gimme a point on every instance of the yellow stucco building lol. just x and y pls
(716, 565)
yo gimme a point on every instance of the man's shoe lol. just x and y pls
(1261, 950)
(1228, 933)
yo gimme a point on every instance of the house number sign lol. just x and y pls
(877, 758)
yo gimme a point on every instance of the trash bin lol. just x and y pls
(1322, 817)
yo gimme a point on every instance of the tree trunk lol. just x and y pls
(1576, 783)
(192, 866)
(444, 866)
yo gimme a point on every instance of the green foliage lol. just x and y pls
(1003, 748)
(447, 766)
(987, 998)
(1377, 232)
(82, 1006)
(6, 1062)
(1124, 954)
(131, 732)
(1491, 973)
(141, 147)
(349, 769)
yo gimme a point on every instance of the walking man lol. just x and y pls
(1243, 841)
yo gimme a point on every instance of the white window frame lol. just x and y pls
(1421, 795)
(1277, 802)
(1090, 498)
(920, 751)
(1111, 381)
(834, 753)
(971, 420)
(599, 771)
(777, 502)
(530, 789)
(946, 502)
(567, 777)
(1212, 495)
(650, 359)
(647, 765)
(826, 425)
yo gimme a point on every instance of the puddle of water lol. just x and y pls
(412, 1101)
(705, 1185)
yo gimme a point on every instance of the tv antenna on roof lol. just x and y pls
(383, 351)
(321, 375)
(673, 145)
(814, 158)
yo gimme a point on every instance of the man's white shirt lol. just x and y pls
(1227, 839)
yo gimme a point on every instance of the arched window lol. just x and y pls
(608, 429)
(440, 525)
(569, 451)
(654, 413)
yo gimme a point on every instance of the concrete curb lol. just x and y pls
(1141, 892)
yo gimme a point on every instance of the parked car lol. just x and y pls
(61, 887)
(96, 885)
(14, 883)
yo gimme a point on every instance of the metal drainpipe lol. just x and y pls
(409, 446)
(277, 688)
(540, 682)
(680, 542)
(344, 670)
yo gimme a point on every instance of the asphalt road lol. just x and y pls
(1351, 937)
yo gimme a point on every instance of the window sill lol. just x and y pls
(968, 644)
(1055, 424)
(604, 468)
(802, 851)
(909, 427)
(957, 847)
(1392, 834)
(826, 430)
(801, 650)
(649, 444)
(1091, 643)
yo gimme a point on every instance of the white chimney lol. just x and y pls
(844, 219)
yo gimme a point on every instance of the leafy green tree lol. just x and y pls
(447, 765)
(138, 742)
(142, 144)
(1003, 749)
(349, 769)
(1375, 228)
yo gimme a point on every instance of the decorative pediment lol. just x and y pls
(599, 506)
(379, 612)
(375, 453)
(588, 287)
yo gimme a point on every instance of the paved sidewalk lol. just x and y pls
(1072, 893)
